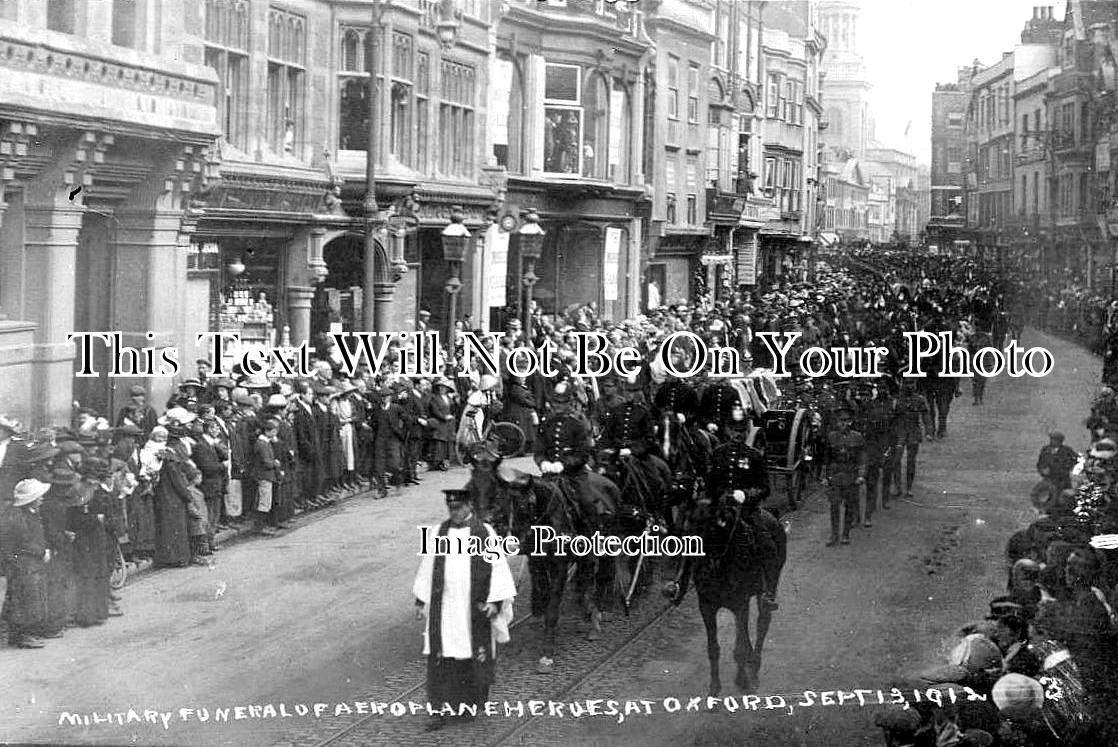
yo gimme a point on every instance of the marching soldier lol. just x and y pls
(738, 475)
(844, 473)
(912, 411)
(878, 425)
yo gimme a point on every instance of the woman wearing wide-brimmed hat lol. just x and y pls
(441, 420)
(25, 561)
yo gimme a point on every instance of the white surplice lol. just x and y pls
(456, 642)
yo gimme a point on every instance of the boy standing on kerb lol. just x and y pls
(266, 470)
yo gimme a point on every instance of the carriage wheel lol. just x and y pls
(119, 572)
(795, 451)
(510, 438)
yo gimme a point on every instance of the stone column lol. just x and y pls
(51, 224)
(299, 300)
(149, 291)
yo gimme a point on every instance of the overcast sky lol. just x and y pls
(910, 45)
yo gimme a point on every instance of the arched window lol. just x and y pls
(595, 144)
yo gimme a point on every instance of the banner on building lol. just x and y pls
(496, 265)
(1102, 155)
(747, 263)
(612, 263)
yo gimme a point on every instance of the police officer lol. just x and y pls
(628, 430)
(562, 447)
(715, 405)
(738, 475)
(844, 473)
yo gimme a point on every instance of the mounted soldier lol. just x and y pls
(628, 444)
(738, 475)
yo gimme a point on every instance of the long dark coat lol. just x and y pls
(330, 443)
(172, 527)
(90, 556)
(26, 605)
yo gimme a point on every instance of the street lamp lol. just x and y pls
(531, 247)
(380, 284)
(456, 239)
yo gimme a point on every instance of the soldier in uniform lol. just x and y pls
(878, 424)
(715, 405)
(912, 410)
(844, 473)
(738, 474)
(562, 447)
(628, 430)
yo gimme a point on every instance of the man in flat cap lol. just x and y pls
(466, 601)
(137, 412)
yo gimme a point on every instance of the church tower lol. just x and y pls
(845, 88)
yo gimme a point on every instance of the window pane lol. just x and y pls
(353, 114)
(562, 140)
(561, 83)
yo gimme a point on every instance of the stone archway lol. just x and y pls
(341, 296)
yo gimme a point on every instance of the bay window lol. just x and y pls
(562, 119)
(456, 119)
(353, 102)
(286, 81)
(225, 35)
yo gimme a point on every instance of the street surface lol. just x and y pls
(323, 614)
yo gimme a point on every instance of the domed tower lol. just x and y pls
(845, 88)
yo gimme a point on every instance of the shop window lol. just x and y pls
(456, 119)
(226, 51)
(286, 81)
(562, 120)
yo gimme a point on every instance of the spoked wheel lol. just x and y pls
(509, 437)
(118, 575)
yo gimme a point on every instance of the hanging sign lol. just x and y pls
(496, 266)
(612, 261)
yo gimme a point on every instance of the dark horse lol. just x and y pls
(744, 554)
(514, 502)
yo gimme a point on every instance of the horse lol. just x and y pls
(514, 503)
(645, 490)
(743, 559)
(687, 453)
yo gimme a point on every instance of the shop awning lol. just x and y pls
(827, 238)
